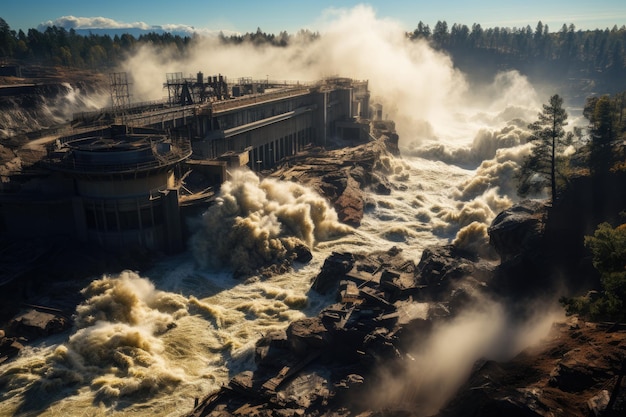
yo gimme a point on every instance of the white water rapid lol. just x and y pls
(148, 345)
(124, 356)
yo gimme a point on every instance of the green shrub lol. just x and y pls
(608, 249)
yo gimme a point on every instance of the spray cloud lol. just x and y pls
(443, 361)
(258, 222)
(416, 84)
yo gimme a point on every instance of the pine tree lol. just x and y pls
(549, 139)
(603, 129)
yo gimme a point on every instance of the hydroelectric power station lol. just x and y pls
(124, 176)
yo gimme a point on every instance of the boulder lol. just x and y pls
(349, 205)
(302, 254)
(335, 267)
(574, 376)
(272, 351)
(9, 347)
(307, 335)
(518, 236)
(445, 269)
(34, 324)
(519, 230)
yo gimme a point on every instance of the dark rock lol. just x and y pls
(359, 174)
(9, 347)
(519, 230)
(307, 335)
(242, 382)
(335, 267)
(442, 269)
(34, 324)
(334, 184)
(572, 377)
(381, 185)
(273, 351)
(487, 394)
(518, 236)
(302, 254)
(349, 205)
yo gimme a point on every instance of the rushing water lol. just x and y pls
(150, 344)
(124, 357)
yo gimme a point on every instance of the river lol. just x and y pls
(150, 344)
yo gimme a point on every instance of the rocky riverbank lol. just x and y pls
(388, 308)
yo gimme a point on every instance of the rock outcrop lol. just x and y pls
(341, 175)
(30, 325)
(518, 236)
(326, 365)
(518, 231)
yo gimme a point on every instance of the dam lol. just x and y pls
(127, 176)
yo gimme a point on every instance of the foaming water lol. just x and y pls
(148, 344)
(40, 112)
(255, 222)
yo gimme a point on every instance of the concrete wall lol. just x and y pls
(121, 187)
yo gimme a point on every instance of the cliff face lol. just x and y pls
(541, 245)
(578, 369)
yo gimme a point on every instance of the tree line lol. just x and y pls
(548, 167)
(575, 60)
(596, 50)
(58, 46)
(590, 51)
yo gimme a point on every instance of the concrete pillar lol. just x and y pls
(275, 152)
(171, 215)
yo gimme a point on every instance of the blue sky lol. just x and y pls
(278, 15)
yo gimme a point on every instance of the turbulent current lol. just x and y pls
(149, 344)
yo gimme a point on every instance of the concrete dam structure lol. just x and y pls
(126, 176)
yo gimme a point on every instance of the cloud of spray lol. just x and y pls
(416, 84)
(443, 361)
(486, 144)
(115, 348)
(259, 222)
(498, 115)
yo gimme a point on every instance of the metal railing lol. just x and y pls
(224, 105)
(65, 161)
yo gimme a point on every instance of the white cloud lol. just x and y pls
(73, 22)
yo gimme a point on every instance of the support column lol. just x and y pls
(172, 222)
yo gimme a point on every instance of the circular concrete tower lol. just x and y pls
(126, 186)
